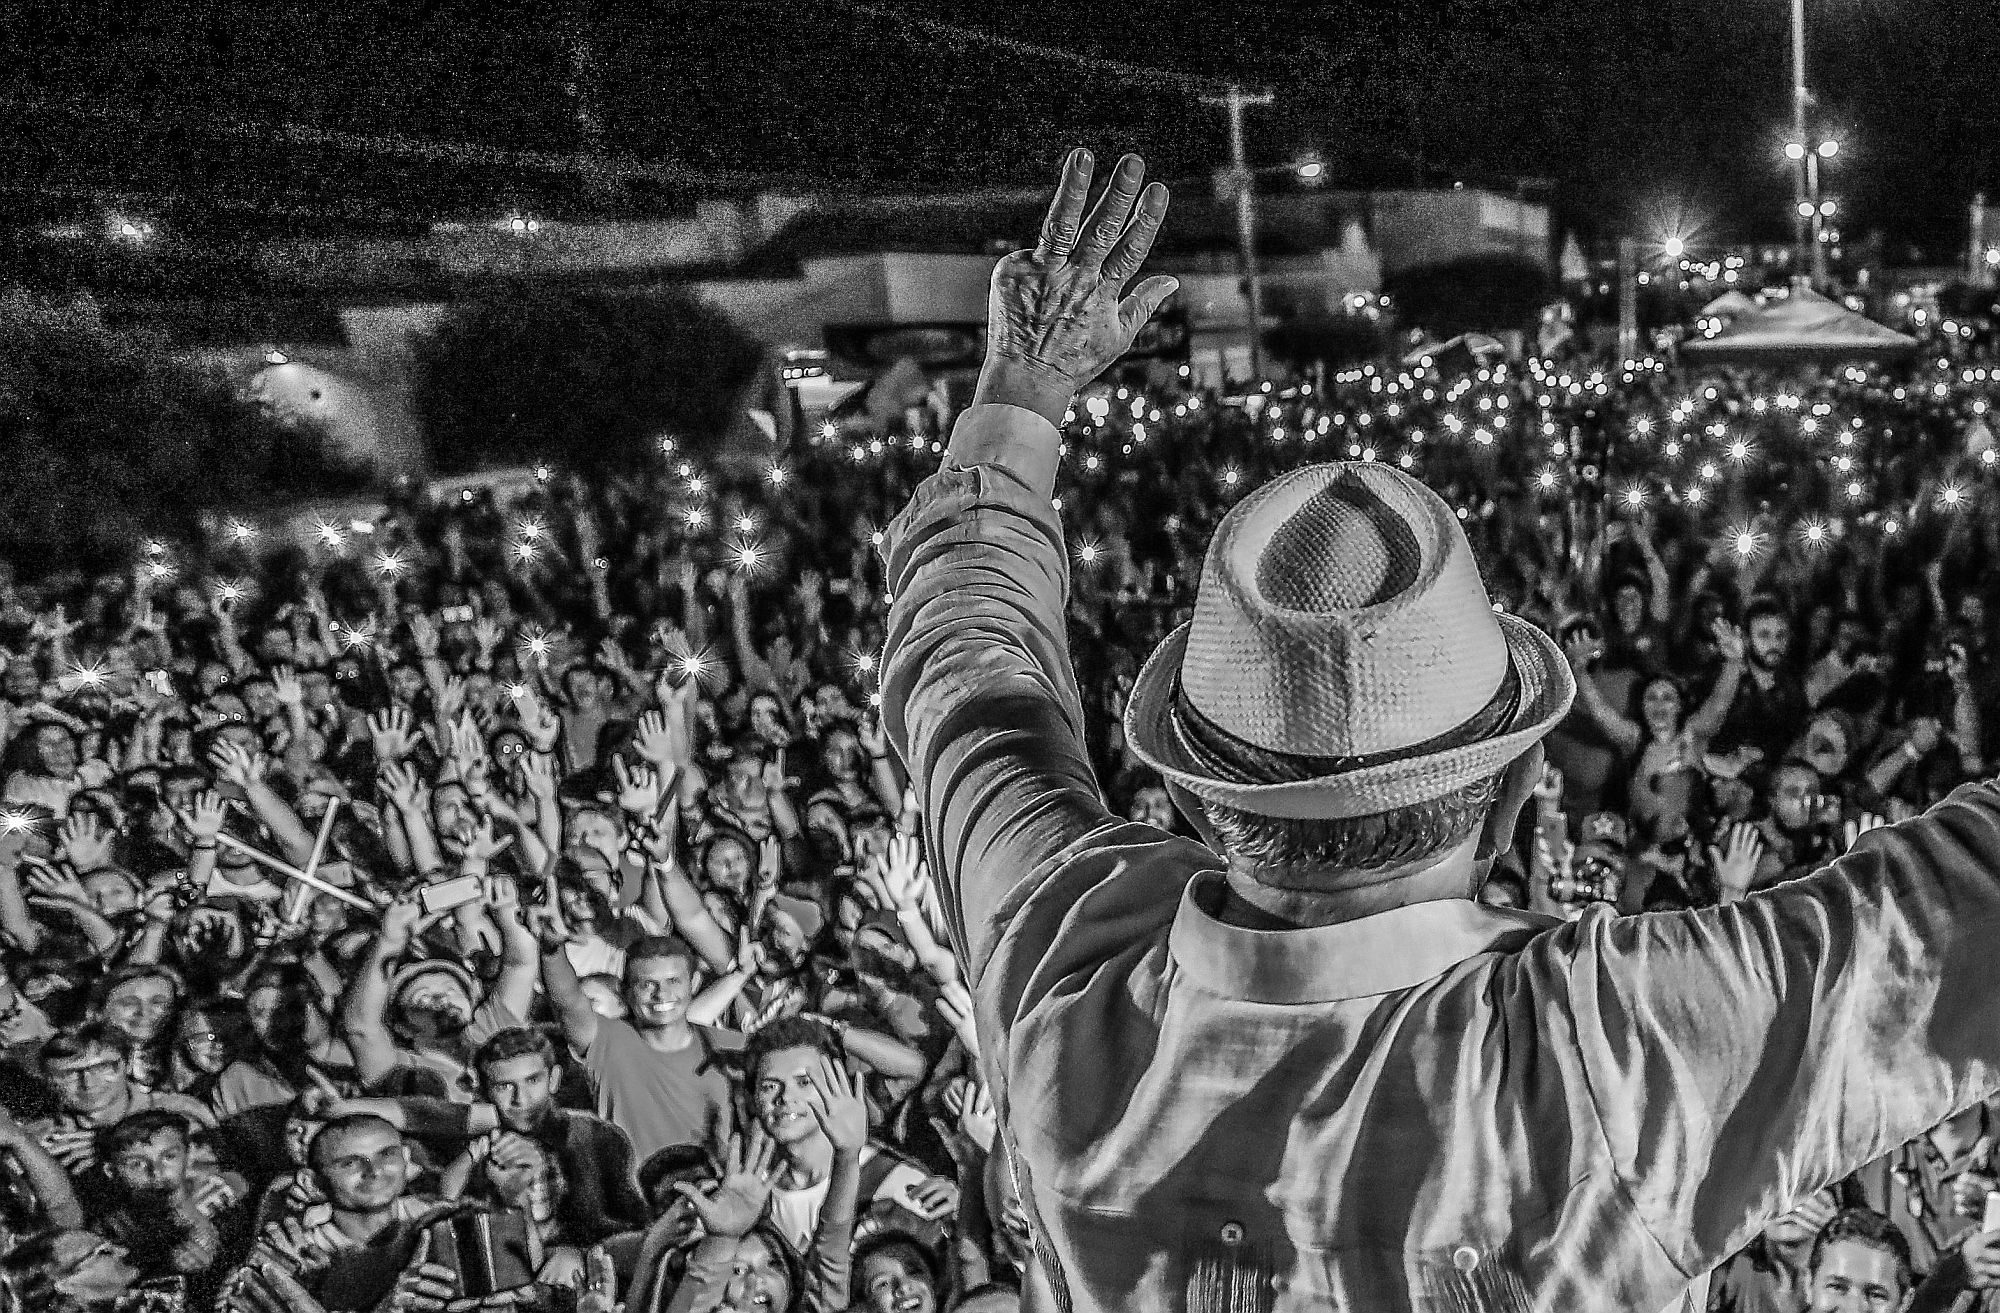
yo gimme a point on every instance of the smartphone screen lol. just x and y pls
(447, 894)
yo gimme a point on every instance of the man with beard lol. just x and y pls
(1770, 707)
(426, 1018)
(655, 1072)
(519, 1075)
(173, 1221)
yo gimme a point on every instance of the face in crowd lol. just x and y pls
(759, 1282)
(433, 1005)
(1854, 1276)
(91, 1083)
(522, 1090)
(141, 1007)
(893, 1279)
(157, 1165)
(1770, 637)
(782, 1092)
(363, 1168)
(657, 991)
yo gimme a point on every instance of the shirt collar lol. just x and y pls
(1379, 954)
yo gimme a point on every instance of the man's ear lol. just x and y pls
(1517, 785)
(555, 1078)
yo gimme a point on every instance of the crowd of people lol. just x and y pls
(515, 901)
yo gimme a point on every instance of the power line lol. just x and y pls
(1193, 84)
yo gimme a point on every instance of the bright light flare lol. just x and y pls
(1814, 533)
(13, 822)
(83, 676)
(531, 529)
(1951, 496)
(241, 532)
(391, 565)
(1746, 541)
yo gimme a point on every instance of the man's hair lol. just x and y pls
(138, 1128)
(1763, 606)
(653, 947)
(678, 1162)
(791, 1033)
(1868, 1227)
(514, 1042)
(1360, 843)
(125, 975)
(79, 1040)
(340, 1126)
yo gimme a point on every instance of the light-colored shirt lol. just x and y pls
(1441, 1107)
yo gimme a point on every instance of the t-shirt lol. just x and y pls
(796, 1212)
(661, 1099)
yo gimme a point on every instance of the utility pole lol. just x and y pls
(1240, 180)
(582, 87)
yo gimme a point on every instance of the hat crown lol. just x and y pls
(1341, 613)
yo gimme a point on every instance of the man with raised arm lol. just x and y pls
(1301, 1067)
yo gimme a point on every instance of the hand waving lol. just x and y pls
(390, 733)
(1736, 866)
(734, 1204)
(1058, 315)
(837, 1104)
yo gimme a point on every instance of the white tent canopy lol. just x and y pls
(1804, 327)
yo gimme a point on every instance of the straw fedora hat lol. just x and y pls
(1344, 658)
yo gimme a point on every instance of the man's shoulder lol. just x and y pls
(166, 1101)
(613, 1035)
(579, 1130)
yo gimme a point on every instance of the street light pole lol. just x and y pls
(1246, 214)
(1801, 224)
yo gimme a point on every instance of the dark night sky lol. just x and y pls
(1634, 108)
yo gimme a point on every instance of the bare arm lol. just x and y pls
(47, 1180)
(1715, 707)
(364, 1014)
(571, 1005)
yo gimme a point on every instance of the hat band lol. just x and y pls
(1237, 761)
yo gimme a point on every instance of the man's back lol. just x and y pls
(1444, 1106)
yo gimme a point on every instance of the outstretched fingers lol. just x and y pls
(1114, 207)
(1137, 238)
(1145, 299)
(1063, 225)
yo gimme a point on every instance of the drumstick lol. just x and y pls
(298, 902)
(293, 872)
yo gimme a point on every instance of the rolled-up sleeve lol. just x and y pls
(1744, 1055)
(978, 694)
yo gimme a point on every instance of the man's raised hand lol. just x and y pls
(1058, 315)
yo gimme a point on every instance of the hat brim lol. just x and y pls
(1547, 689)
